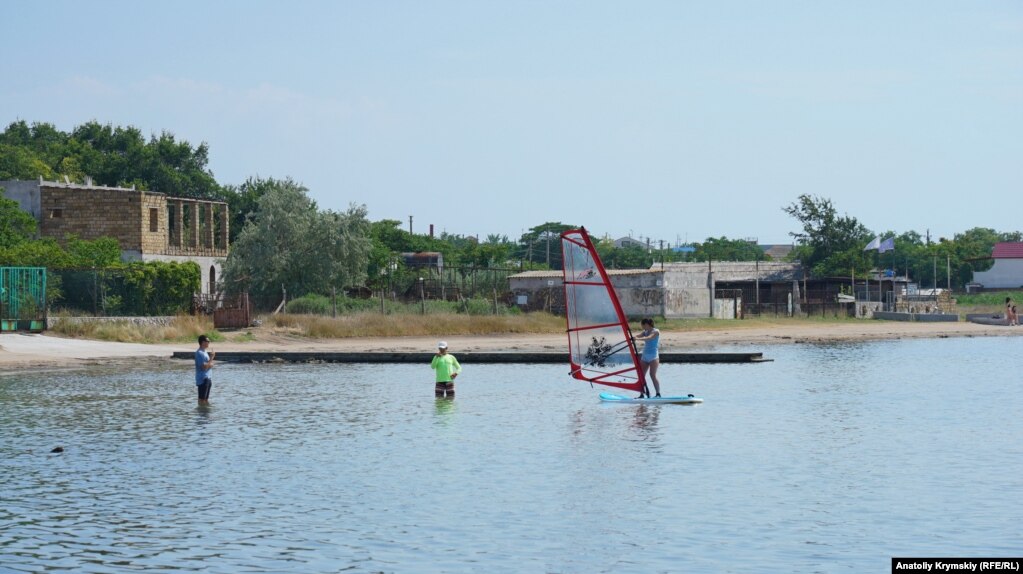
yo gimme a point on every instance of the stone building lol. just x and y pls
(148, 225)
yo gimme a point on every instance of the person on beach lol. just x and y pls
(1010, 311)
(649, 359)
(446, 368)
(203, 365)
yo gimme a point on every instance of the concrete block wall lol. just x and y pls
(91, 214)
(153, 230)
(26, 193)
(687, 294)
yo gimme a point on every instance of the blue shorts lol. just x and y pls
(204, 389)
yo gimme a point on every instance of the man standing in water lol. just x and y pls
(203, 365)
(447, 368)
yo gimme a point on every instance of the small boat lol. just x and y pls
(601, 349)
(988, 319)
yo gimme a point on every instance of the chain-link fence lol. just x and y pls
(116, 292)
(447, 284)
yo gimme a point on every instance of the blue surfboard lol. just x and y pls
(686, 400)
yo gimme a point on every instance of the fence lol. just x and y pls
(449, 283)
(110, 292)
(228, 312)
(22, 298)
(822, 303)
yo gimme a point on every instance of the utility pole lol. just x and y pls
(547, 232)
(410, 225)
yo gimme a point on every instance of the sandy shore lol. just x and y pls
(18, 351)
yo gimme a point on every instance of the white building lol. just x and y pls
(1007, 272)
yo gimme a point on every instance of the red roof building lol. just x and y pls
(1007, 250)
(1007, 271)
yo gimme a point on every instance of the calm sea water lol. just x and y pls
(832, 458)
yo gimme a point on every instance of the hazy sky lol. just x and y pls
(676, 120)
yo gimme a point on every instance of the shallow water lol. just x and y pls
(831, 458)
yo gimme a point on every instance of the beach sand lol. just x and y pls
(19, 351)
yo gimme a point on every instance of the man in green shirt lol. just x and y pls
(447, 368)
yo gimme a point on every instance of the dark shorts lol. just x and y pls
(441, 387)
(204, 389)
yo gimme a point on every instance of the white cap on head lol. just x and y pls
(442, 345)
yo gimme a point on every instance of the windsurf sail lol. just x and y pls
(600, 345)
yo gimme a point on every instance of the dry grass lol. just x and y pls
(404, 325)
(181, 328)
(372, 324)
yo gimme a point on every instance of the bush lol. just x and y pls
(311, 304)
(993, 298)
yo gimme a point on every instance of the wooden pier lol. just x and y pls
(468, 357)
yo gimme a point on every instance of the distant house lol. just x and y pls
(423, 260)
(1007, 271)
(777, 252)
(629, 242)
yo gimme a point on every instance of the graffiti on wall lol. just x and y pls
(646, 298)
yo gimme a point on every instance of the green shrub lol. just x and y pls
(319, 305)
(996, 298)
(311, 304)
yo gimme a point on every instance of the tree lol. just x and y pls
(628, 257)
(541, 244)
(20, 163)
(243, 201)
(971, 251)
(724, 249)
(289, 243)
(829, 245)
(114, 156)
(16, 226)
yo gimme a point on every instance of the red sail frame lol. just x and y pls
(600, 344)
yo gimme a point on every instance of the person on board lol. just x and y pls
(649, 359)
(203, 365)
(446, 368)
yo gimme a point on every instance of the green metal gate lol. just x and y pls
(22, 298)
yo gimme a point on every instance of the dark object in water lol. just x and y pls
(57, 449)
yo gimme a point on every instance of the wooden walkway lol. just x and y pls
(463, 357)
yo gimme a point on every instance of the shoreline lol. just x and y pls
(20, 351)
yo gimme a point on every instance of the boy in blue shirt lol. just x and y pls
(203, 365)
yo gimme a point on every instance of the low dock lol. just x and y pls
(468, 357)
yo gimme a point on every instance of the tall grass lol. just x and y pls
(370, 324)
(990, 299)
(320, 305)
(181, 328)
(375, 324)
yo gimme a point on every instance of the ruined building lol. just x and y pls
(148, 225)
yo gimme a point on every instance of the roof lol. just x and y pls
(1008, 250)
(777, 252)
(740, 271)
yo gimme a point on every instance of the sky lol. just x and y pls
(674, 121)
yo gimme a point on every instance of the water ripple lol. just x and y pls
(833, 457)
